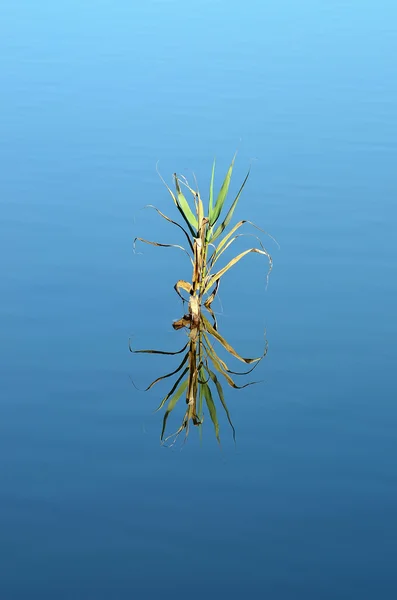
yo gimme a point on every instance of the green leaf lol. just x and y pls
(155, 351)
(211, 409)
(220, 201)
(184, 205)
(172, 404)
(176, 202)
(172, 390)
(222, 398)
(229, 215)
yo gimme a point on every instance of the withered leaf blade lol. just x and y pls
(224, 365)
(177, 204)
(156, 351)
(219, 253)
(225, 344)
(212, 297)
(139, 239)
(169, 374)
(219, 366)
(209, 301)
(231, 263)
(174, 223)
(236, 227)
(183, 285)
(181, 323)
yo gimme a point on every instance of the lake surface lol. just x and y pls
(93, 94)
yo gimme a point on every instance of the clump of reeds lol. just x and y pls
(197, 375)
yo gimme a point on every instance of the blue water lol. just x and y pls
(93, 94)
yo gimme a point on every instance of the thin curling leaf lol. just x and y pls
(173, 222)
(172, 404)
(184, 360)
(156, 351)
(220, 201)
(219, 253)
(191, 229)
(230, 264)
(201, 374)
(211, 298)
(223, 241)
(237, 226)
(184, 205)
(210, 349)
(229, 215)
(211, 409)
(209, 301)
(216, 361)
(219, 367)
(224, 365)
(182, 180)
(139, 239)
(172, 390)
(225, 344)
(211, 200)
(221, 245)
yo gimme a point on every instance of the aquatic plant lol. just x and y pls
(197, 375)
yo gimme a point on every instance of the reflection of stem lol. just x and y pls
(195, 356)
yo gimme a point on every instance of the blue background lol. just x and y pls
(93, 94)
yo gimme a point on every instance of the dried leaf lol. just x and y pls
(230, 264)
(155, 351)
(174, 223)
(162, 246)
(225, 344)
(169, 374)
(184, 285)
(222, 195)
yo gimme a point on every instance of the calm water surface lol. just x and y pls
(92, 95)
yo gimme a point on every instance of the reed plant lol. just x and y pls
(201, 372)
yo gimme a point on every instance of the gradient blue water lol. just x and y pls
(92, 95)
